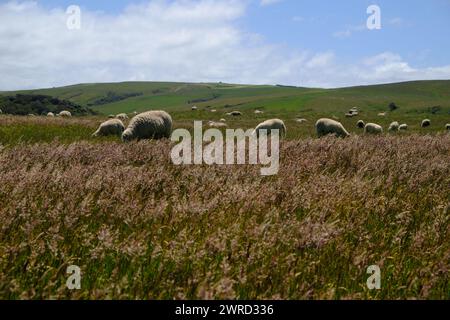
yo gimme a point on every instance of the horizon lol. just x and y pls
(54, 43)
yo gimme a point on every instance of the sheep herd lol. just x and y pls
(158, 124)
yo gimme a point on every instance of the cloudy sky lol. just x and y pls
(305, 43)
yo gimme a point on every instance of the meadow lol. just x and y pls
(140, 227)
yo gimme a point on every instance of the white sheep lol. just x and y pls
(360, 124)
(373, 128)
(235, 113)
(326, 126)
(426, 123)
(110, 127)
(122, 116)
(149, 125)
(447, 127)
(301, 120)
(269, 125)
(403, 127)
(194, 108)
(65, 113)
(223, 120)
(394, 126)
(258, 111)
(382, 114)
(213, 110)
(50, 114)
(214, 124)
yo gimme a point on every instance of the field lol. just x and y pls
(140, 227)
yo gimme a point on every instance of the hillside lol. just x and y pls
(412, 97)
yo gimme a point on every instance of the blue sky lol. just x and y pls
(309, 43)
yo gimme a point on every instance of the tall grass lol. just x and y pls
(141, 228)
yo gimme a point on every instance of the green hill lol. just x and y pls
(412, 97)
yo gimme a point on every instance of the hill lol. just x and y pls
(106, 98)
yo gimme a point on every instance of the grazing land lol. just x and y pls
(140, 227)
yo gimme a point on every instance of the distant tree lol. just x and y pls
(392, 106)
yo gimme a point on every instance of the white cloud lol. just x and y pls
(182, 40)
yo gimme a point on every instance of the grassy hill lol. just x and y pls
(106, 98)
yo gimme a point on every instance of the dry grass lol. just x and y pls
(140, 227)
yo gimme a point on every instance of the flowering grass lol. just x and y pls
(141, 228)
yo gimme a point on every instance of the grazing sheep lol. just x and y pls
(50, 114)
(64, 113)
(426, 123)
(269, 125)
(109, 128)
(194, 108)
(236, 113)
(111, 116)
(213, 110)
(223, 120)
(403, 127)
(301, 120)
(258, 111)
(214, 124)
(122, 116)
(447, 127)
(326, 126)
(373, 128)
(382, 114)
(394, 126)
(149, 125)
(360, 124)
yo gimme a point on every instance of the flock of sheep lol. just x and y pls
(158, 124)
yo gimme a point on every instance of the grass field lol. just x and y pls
(140, 227)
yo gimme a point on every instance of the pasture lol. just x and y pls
(140, 227)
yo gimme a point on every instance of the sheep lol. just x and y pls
(213, 110)
(360, 124)
(269, 125)
(447, 127)
(258, 111)
(426, 123)
(111, 116)
(403, 127)
(373, 128)
(326, 126)
(149, 125)
(214, 124)
(64, 113)
(235, 113)
(194, 108)
(301, 120)
(394, 126)
(223, 120)
(349, 115)
(382, 114)
(110, 127)
(50, 114)
(122, 116)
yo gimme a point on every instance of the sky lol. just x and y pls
(320, 43)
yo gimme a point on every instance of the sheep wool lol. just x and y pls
(394, 126)
(110, 127)
(149, 125)
(426, 123)
(50, 114)
(326, 126)
(64, 113)
(270, 125)
(122, 116)
(403, 127)
(373, 128)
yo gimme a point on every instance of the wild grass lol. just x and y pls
(140, 227)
